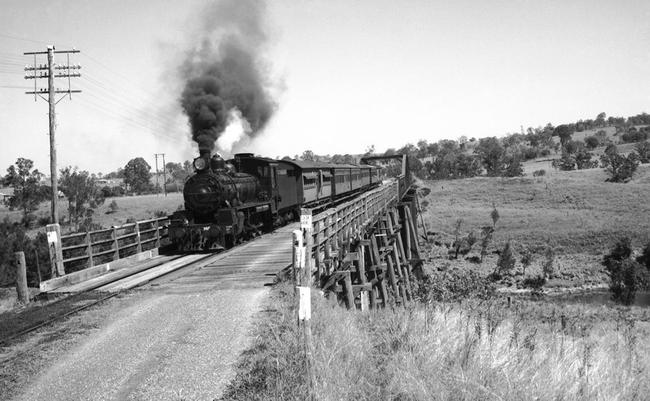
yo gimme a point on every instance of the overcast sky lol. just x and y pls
(348, 74)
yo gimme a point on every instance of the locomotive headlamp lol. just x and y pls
(200, 163)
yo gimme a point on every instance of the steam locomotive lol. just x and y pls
(227, 202)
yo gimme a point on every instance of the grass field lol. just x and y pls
(138, 207)
(576, 213)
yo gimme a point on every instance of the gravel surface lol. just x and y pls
(162, 347)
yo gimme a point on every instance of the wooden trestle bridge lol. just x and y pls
(365, 250)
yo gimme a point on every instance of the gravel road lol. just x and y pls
(175, 340)
(165, 346)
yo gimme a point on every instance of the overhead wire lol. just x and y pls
(119, 108)
(160, 122)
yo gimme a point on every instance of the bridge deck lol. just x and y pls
(253, 264)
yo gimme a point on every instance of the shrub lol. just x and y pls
(591, 142)
(506, 262)
(626, 275)
(485, 240)
(526, 259)
(549, 258)
(622, 250)
(44, 220)
(495, 216)
(634, 136)
(620, 168)
(455, 284)
(644, 259)
(643, 151)
(112, 207)
(534, 282)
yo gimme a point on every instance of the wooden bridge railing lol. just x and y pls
(365, 250)
(75, 252)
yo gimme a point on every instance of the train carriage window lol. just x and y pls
(327, 179)
(309, 182)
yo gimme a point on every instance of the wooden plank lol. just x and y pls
(92, 272)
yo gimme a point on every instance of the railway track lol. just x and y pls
(161, 269)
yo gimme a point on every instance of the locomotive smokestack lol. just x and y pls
(227, 72)
(204, 153)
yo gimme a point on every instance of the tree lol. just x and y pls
(591, 142)
(626, 275)
(566, 163)
(370, 150)
(137, 176)
(620, 168)
(491, 153)
(563, 132)
(583, 160)
(176, 172)
(25, 182)
(308, 155)
(83, 195)
(512, 167)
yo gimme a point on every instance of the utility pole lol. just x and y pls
(65, 71)
(164, 176)
(157, 174)
(163, 169)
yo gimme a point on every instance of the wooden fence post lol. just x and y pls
(56, 253)
(157, 234)
(116, 244)
(137, 237)
(89, 242)
(21, 278)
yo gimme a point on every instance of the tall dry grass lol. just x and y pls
(470, 350)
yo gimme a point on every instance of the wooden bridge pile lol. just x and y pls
(366, 250)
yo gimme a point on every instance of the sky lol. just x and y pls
(345, 74)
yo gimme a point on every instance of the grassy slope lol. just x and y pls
(576, 211)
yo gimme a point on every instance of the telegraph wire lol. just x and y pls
(158, 121)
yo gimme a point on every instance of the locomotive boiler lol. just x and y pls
(222, 206)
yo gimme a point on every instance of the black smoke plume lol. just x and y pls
(227, 73)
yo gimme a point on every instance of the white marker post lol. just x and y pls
(56, 252)
(304, 293)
